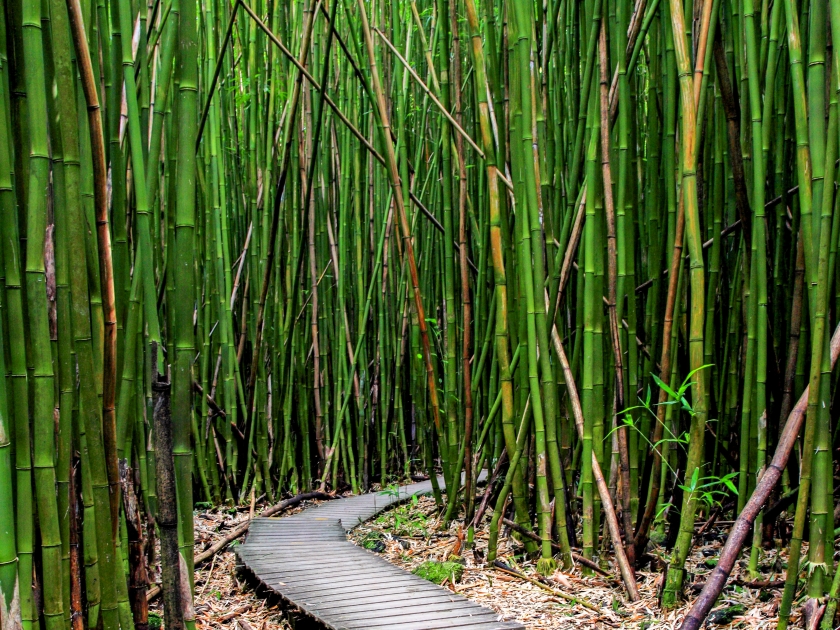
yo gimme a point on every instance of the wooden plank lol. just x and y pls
(289, 574)
(343, 547)
(332, 578)
(499, 625)
(318, 601)
(457, 608)
(337, 535)
(277, 542)
(345, 592)
(286, 566)
(371, 586)
(420, 621)
(366, 602)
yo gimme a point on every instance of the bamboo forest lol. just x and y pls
(556, 280)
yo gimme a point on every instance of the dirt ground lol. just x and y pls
(410, 534)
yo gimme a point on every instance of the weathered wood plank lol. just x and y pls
(370, 603)
(389, 609)
(421, 621)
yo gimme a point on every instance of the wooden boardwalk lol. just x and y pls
(309, 561)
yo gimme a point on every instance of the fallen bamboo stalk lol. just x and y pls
(556, 592)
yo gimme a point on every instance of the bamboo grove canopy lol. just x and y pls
(589, 246)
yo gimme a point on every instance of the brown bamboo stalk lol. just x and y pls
(612, 276)
(466, 299)
(733, 116)
(702, 42)
(138, 579)
(167, 517)
(106, 268)
(795, 325)
(77, 616)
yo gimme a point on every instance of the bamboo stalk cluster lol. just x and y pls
(589, 247)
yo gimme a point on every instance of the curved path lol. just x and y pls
(307, 559)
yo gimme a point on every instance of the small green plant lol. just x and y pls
(409, 523)
(155, 621)
(391, 490)
(373, 542)
(675, 397)
(710, 489)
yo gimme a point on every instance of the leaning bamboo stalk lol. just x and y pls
(430, 94)
(603, 490)
(556, 592)
(743, 524)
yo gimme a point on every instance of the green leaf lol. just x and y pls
(662, 384)
(694, 478)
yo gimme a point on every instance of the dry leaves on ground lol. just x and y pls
(410, 535)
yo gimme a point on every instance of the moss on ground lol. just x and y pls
(437, 572)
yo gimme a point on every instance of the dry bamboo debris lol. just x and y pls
(554, 591)
(519, 599)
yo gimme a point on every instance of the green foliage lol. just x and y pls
(373, 542)
(391, 490)
(437, 572)
(405, 520)
(709, 489)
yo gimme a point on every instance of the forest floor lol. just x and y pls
(224, 600)
(410, 534)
